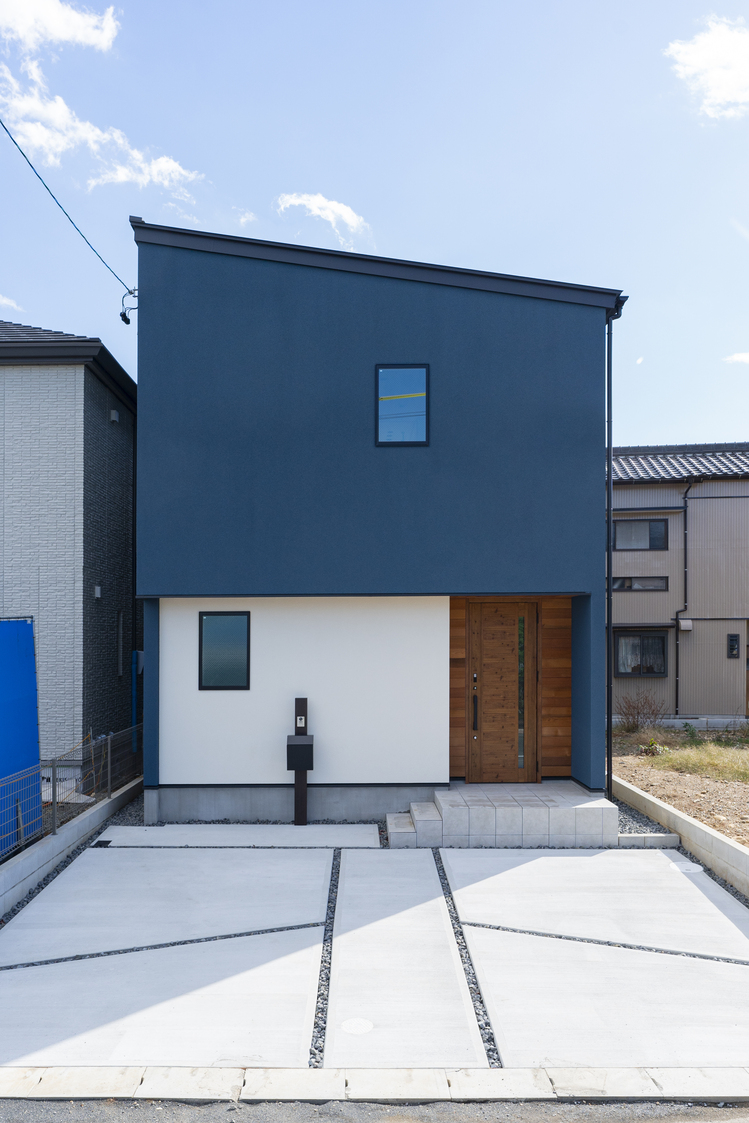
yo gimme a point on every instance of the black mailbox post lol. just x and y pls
(299, 760)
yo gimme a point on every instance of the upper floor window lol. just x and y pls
(644, 583)
(224, 657)
(641, 534)
(402, 394)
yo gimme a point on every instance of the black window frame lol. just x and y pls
(223, 612)
(736, 653)
(400, 366)
(651, 632)
(629, 589)
(641, 549)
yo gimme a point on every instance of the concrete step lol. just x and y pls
(649, 841)
(401, 831)
(428, 824)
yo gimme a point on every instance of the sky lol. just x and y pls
(580, 142)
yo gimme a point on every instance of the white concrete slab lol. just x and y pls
(701, 1083)
(312, 1084)
(229, 1003)
(398, 995)
(499, 1084)
(85, 1082)
(191, 1084)
(562, 1004)
(246, 834)
(602, 1083)
(111, 899)
(396, 1085)
(17, 1083)
(634, 896)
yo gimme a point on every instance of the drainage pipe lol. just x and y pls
(685, 506)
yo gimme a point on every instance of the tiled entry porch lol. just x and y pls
(557, 813)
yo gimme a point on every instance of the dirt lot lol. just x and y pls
(691, 775)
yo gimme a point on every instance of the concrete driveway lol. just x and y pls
(234, 947)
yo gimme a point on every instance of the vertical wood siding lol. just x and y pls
(555, 682)
(458, 761)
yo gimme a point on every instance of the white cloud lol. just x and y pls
(34, 22)
(6, 302)
(739, 357)
(245, 217)
(741, 229)
(45, 126)
(639, 361)
(181, 214)
(715, 65)
(317, 206)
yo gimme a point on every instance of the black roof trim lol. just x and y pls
(610, 299)
(23, 345)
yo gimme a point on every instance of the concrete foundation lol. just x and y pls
(355, 802)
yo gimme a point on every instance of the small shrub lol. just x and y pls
(652, 748)
(691, 733)
(640, 710)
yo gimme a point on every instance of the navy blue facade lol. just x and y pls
(258, 472)
(257, 465)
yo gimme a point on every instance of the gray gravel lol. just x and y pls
(634, 822)
(154, 1111)
(317, 1048)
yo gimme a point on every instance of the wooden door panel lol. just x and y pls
(493, 677)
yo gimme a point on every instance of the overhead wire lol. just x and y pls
(128, 291)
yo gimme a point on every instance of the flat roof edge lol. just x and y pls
(344, 261)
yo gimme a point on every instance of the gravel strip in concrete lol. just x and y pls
(606, 943)
(159, 947)
(317, 1048)
(482, 1016)
(632, 821)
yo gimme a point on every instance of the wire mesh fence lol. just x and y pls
(38, 800)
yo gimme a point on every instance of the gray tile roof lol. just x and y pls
(22, 333)
(650, 463)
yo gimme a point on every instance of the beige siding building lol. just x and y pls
(681, 577)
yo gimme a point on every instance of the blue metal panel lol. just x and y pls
(20, 800)
(258, 472)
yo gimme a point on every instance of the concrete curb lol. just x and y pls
(729, 859)
(319, 1085)
(25, 870)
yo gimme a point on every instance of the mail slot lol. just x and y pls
(299, 754)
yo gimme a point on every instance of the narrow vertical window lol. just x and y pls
(224, 656)
(521, 692)
(402, 405)
(120, 630)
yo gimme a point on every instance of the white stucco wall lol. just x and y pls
(375, 671)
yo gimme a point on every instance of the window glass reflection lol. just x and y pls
(402, 405)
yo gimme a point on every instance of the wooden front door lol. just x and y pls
(501, 691)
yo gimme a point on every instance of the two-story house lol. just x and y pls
(681, 577)
(354, 487)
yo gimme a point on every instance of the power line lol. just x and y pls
(129, 291)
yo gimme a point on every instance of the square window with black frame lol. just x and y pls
(734, 641)
(224, 657)
(641, 653)
(402, 405)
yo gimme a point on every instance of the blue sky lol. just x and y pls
(575, 141)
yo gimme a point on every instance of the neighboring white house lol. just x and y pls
(68, 430)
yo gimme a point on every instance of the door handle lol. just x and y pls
(475, 711)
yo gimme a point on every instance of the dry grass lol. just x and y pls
(719, 762)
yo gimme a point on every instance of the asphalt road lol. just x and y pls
(119, 1111)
